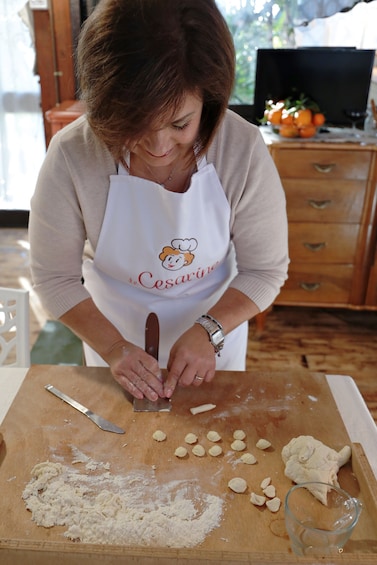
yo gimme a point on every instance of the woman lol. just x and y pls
(176, 197)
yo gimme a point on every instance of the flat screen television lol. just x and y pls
(337, 78)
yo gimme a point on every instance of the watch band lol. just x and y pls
(214, 330)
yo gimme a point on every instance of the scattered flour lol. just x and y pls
(115, 509)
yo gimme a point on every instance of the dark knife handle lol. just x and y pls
(152, 335)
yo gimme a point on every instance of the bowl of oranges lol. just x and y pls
(292, 117)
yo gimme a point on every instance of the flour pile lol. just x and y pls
(127, 510)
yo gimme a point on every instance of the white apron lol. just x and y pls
(164, 252)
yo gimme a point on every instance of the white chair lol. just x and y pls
(14, 328)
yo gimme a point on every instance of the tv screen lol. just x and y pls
(336, 78)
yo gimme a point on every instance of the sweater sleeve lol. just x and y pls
(259, 227)
(66, 210)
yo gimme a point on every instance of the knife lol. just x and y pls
(98, 420)
(152, 339)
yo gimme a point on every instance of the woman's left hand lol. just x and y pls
(192, 360)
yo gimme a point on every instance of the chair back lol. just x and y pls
(14, 328)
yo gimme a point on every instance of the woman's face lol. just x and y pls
(174, 138)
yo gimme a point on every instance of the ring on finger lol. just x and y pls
(199, 378)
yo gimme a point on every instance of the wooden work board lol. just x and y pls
(275, 406)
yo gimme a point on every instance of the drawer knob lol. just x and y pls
(324, 168)
(315, 246)
(310, 287)
(319, 204)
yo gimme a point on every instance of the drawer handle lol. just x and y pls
(310, 287)
(319, 204)
(315, 246)
(324, 168)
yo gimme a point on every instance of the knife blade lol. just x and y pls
(98, 420)
(152, 339)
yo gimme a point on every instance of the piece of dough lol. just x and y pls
(237, 484)
(202, 408)
(257, 499)
(308, 459)
(191, 438)
(264, 484)
(159, 435)
(180, 452)
(263, 444)
(239, 434)
(213, 436)
(198, 450)
(248, 458)
(215, 450)
(238, 445)
(274, 504)
(270, 491)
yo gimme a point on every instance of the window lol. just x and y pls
(267, 23)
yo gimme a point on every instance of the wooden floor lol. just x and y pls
(323, 340)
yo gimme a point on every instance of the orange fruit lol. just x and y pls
(307, 131)
(288, 130)
(303, 117)
(274, 115)
(286, 117)
(318, 119)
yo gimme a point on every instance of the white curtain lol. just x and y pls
(22, 145)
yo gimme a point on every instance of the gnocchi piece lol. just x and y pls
(198, 450)
(274, 504)
(263, 444)
(191, 438)
(248, 458)
(159, 435)
(239, 434)
(202, 408)
(180, 452)
(237, 484)
(213, 436)
(238, 445)
(215, 450)
(270, 491)
(264, 484)
(257, 499)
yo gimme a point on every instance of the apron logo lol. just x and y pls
(178, 254)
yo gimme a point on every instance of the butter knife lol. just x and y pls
(98, 420)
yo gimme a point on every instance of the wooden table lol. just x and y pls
(276, 406)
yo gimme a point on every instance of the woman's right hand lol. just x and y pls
(136, 371)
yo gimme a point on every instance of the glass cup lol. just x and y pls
(316, 529)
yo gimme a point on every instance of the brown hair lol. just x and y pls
(138, 58)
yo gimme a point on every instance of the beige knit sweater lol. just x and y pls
(69, 203)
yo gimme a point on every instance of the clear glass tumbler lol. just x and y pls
(316, 529)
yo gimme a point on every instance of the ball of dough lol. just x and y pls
(213, 436)
(237, 484)
(248, 458)
(159, 435)
(180, 452)
(198, 450)
(238, 445)
(239, 434)
(215, 450)
(191, 438)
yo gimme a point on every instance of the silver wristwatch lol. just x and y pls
(214, 330)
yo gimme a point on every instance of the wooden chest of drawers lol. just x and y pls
(331, 204)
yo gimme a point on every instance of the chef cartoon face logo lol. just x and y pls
(178, 254)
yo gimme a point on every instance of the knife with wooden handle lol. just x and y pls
(98, 420)
(152, 340)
